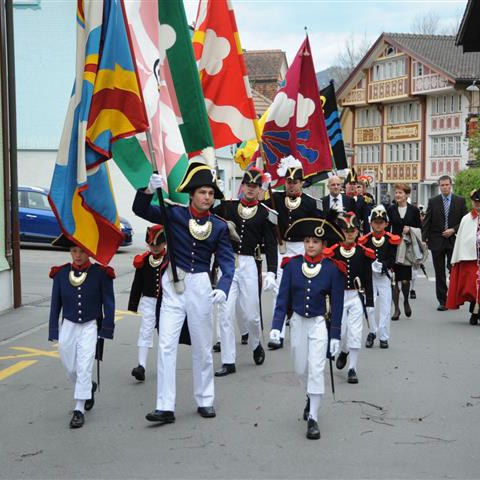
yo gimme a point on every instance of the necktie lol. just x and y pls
(446, 208)
(335, 203)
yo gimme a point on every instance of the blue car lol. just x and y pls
(38, 223)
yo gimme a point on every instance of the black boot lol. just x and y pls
(313, 432)
(78, 419)
(275, 346)
(227, 369)
(341, 360)
(259, 355)
(370, 339)
(395, 298)
(406, 292)
(139, 373)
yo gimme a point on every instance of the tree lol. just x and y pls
(426, 24)
(466, 181)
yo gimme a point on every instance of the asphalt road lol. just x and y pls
(414, 414)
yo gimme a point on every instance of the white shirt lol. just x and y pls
(338, 205)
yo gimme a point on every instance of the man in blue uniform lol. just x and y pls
(145, 291)
(83, 294)
(252, 223)
(197, 235)
(309, 283)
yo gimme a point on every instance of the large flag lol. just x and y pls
(150, 41)
(223, 73)
(332, 120)
(295, 124)
(190, 104)
(106, 104)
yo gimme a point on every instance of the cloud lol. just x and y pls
(281, 110)
(305, 107)
(215, 49)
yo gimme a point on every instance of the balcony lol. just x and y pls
(388, 89)
(355, 97)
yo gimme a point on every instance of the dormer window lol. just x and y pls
(389, 51)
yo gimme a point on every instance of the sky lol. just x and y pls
(279, 24)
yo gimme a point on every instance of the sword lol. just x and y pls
(358, 285)
(330, 360)
(424, 270)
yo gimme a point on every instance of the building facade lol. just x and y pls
(409, 107)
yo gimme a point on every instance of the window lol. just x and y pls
(403, 152)
(403, 113)
(38, 201)
(446, 146)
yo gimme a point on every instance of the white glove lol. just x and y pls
(275, 336)
(269, 282)
(218, 296)
(221, 185)
(266, 183)
(377, 266)
(156, 181)
(334, 347)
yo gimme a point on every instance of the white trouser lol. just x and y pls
(196, 305)
(382, 295)
(243, 303)
(77, 343)
(352, 321)
(292, 249)
(308, 344)
(147, 308)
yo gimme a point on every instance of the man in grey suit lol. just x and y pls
(444, 213)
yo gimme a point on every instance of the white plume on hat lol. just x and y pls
(286, 163)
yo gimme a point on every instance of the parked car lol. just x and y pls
(38, 223)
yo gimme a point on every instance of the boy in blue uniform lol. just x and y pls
(83, 293)
(145, 291)
(197, 236)
(306, 283)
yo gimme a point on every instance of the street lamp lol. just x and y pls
(474, 92)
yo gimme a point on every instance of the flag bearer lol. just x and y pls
(309, 284)
(253, 226)
(358, 290)
(83, 294)
(384, 244)
(145, 291)
(197, 236)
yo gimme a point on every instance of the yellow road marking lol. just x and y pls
(126, 312)
(36, 352)
(19, 366)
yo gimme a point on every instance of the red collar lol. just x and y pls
(195, 213)
(378, 236)
(347, 247)
(295, 195)
(81, 267)
(316, 259)
(474, 213)
(160, 254)
(248, 204)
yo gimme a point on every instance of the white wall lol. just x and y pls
(6, 287)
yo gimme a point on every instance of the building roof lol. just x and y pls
(261, 102)
(264, 64)
(469, 34)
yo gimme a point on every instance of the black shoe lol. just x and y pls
(217, 348)
(341, 360)
(441, 307)
(245, 339)
(413, 294)
(227, 369)
(306, 410)
(275, 346)
(407, 309)
(383, 343)
(313, 432)
(474, 319)
(78, 419)
(206, 412)
(139, 373)
(370, 338)
(396, 315)
(259, 354)
(161, 416)
(352, 376)
(91, 402)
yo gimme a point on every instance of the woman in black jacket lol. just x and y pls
(402, 216)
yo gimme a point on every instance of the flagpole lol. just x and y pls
(177, 283)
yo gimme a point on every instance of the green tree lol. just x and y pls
(474, 145)
(466, 181)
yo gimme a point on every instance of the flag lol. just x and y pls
(189, 102)
(332, 121)
(149, 42)
(105, 105)
(223, 73)
(295, 124)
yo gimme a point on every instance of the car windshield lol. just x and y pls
(38, 201)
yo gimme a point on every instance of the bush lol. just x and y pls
(466, 181)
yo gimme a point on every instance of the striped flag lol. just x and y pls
(106, 105)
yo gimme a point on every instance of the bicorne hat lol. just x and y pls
(351, 177)
(379, 213)
(254, 175)
(348, 221)
(475, 195)
(290, 167)
(314, 227)
(64, 242)
(155, 235)
(198, 175)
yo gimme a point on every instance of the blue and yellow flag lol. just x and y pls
(106, 104)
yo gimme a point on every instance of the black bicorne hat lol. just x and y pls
(155, 235)
(351, 177)
(314, 227)
(198, 175)
(254, 175)
(377, 213)
(348, 221)
(64, 242)
(290, 168)
(475, 195)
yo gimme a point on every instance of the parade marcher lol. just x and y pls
(254, 229)
(83, 294)
(291, 205)
(358, 291)
(384, 244)
(309, 284)
(337, 200)
(145, 290)
(465, 276)
(402, 217)
(443, 217)
(365, 203)
(197, 236)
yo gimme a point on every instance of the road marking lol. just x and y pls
(18, 367)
